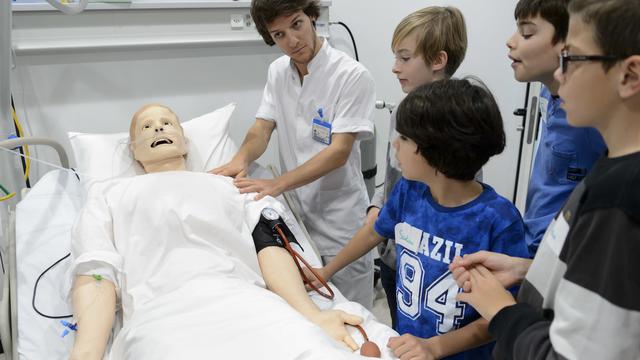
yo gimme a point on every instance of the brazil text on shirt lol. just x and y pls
(428, 236)
(429, 245)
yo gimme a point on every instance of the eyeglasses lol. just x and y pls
(565, 58)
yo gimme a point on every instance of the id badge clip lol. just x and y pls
(320, 129)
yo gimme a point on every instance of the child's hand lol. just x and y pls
(408, 347)
(508, 270)
(321, 271)
(372, 215)
(487, 295)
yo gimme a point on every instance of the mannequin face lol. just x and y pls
(156, 136)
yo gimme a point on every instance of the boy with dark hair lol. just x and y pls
(321, 102)
(429, 44)
(579, 299)
(448, 130)
(565, 154)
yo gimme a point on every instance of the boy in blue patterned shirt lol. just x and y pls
(565, 153)
(448, 130)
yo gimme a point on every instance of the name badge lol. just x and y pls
(321, 131)
(556, 234)
(408, 236)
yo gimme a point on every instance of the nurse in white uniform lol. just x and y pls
(320, 101)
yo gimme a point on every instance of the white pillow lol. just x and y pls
(104, 156)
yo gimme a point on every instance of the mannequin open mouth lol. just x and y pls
(161, 142)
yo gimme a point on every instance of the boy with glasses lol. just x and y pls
(579, 299)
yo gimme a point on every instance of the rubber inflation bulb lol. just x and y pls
(370, 349)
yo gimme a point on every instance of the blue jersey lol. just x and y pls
(564, 156)
(428, 236)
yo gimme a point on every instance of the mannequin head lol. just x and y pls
(157, 139)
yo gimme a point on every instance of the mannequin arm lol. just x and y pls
(282, 277)
(94, 304)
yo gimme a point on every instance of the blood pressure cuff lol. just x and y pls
(265, 234)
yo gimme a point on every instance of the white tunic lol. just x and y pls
(178, 246)
(334, 205)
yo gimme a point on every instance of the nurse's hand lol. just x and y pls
(264, 187)
(234, 168)
(333, 323)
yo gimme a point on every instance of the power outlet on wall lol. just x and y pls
(237, 21)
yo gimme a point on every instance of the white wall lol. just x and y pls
(62, 84)
(97, 91)
(489, 24)
(100, 92)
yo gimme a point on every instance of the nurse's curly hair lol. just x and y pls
(264, 12)
(455, 123)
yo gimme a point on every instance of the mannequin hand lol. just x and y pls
(487, 295)
(321, 271)
(508, 270)
(271, 187)
(234, 168)
(78, 354)
(408, 347)
(333, 323)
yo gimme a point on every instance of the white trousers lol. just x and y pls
(355, 281)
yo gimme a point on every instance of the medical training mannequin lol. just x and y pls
(158, 143)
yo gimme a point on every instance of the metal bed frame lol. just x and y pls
(9, 303)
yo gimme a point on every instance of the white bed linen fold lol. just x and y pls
(180, 245)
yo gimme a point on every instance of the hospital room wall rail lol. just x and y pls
(137, 26)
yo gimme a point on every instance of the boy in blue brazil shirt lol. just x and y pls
(436, 211)
(448, 130)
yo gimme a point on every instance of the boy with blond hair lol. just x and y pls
(429, 44)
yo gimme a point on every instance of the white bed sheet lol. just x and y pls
(44, 223)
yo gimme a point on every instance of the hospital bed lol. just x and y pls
(38, 248)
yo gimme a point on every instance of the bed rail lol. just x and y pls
(9, 317)
(9, 327)
(14, 143)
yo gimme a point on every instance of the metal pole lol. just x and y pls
(10, 174)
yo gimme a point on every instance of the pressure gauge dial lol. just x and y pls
(270, 214)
